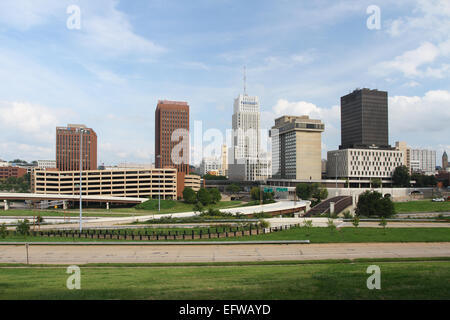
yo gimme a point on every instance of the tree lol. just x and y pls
(204, 196)
(355, 221)
(372, 203)
(303, 191)
(215, 195)
(254, 193)
(23, 227)
(383, 223)
(401, 177)
(189, 195)
(198, 207)
(375, 182)
(3, 231)
(233, 188)
(213, 177)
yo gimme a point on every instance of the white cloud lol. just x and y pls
(409, 62)
(109, 31)
(25, 14)
(30, 120)
(420, 115)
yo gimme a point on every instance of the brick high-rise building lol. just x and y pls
(68, 148)
(169, 117)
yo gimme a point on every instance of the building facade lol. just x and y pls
(363, 164)
(444, 161)
(424, 161)
(364, 119)
(246, 162)
(46, 164)
(403, 147)
(211, 165)
(172, 135)
(224, 156)
(297, 148)
(148, 183)
(68, 148)
(12, 172)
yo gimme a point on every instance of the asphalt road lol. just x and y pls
(65, 254)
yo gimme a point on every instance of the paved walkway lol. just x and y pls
(216, 253)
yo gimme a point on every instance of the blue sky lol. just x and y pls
(301, 57)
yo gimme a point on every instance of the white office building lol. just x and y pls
(211, 165)
(246, 161)
(46, 164)
(423, 161)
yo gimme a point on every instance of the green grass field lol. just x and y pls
(422, 206)
(178, 206)
(331, 280)
(315, 235)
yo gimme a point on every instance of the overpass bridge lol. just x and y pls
(34, 197)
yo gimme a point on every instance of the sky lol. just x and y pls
(106, 63)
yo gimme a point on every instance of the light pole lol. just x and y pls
(159, 185)
(336, 161)
(81, 175)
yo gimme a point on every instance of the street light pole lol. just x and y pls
(159, 185)
(335, 160)
(81, 174)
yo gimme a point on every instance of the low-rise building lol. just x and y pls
(12, 172)
(361, 165)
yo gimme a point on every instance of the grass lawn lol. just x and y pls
(315, 235)
(422, 206)
(178, 206)
(333, 280)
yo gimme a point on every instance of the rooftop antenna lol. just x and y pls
(245, 81)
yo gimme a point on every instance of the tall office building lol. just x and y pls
(444, 161)
(423, 161)
(68, 148)
(364, 119)
(247, 163)
(246, 127)
(224, 160)
(297, 148)
(171, 143)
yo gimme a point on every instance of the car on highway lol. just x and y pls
(438, 200)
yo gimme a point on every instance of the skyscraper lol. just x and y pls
(444, 161)
(172, 135)
(364, 119)
(297, 148)
(68, 148)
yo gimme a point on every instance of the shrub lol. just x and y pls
(383, 223)
(23, 228)
(355, 221)
(3, 231)
(330, 224)
(189, 195)
(198, 207)
(264, 223)
(347, 214)
(153, 204)
(308, 224)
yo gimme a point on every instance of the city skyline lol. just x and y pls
(55, 75)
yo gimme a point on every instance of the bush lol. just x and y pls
(3, 231)
(308, 224)
(347, 214)
(355, 221)
(23, 228)
(198, 207)
(189, 195)
(264, 224)
(330, 224)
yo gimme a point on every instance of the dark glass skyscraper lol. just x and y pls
(364, 119)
